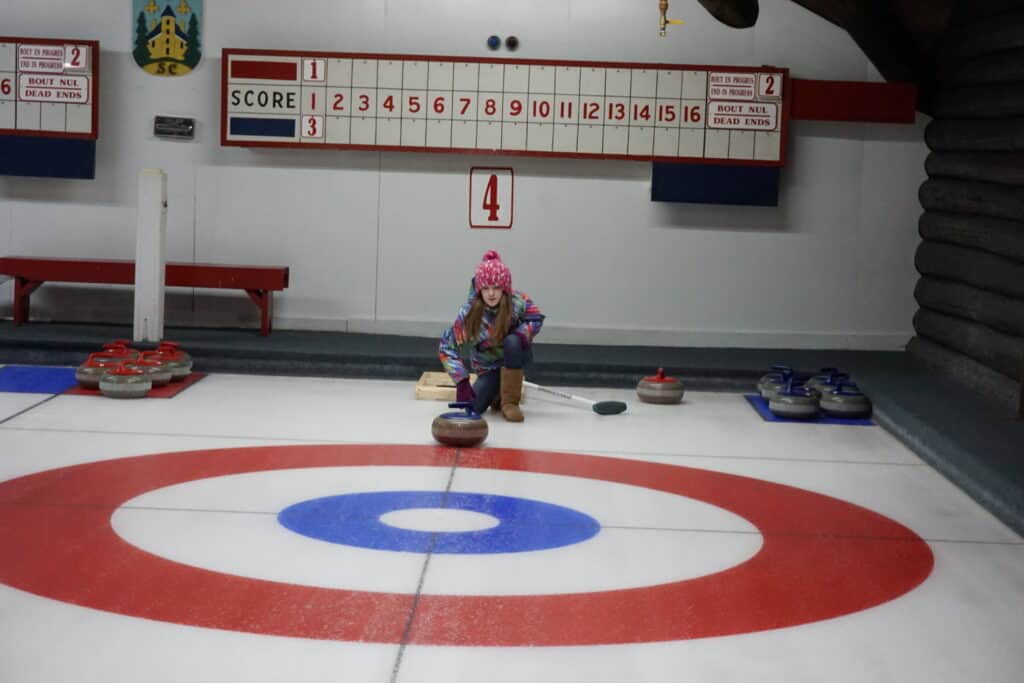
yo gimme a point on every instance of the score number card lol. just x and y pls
(652, 112)
(49, 87)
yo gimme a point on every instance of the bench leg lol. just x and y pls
(264, 299)
(23, 288)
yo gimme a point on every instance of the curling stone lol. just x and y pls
(795, 401)
(88, 374)
(845, 400)
(660, 389)
(827, 379)
(770, 383)
(125, 382)
(826, 385)
(120, 348)
(461, 429)
(173, 346)
(777, 371)
(175, 361)
(157, 371)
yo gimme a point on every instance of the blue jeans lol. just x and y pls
(488, 384)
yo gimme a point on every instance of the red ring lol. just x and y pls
(821, 557)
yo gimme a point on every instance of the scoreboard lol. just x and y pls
(49, 87)
(658, 112)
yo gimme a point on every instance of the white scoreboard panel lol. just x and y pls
(49, 87)
(528, 107)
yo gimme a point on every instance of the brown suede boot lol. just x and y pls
(511, 393)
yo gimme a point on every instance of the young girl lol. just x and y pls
(500, 324)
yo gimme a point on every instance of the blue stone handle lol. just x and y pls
(465, 405)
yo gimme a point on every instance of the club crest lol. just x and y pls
(168, 36)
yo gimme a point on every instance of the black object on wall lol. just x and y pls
(47, 157)
(715, 184)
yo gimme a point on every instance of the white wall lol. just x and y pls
(380, 241)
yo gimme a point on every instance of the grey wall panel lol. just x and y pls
(995, 235)
(1006, 168)
(988, 101)
(972, 267)
(966, 371)
(998, 351)
(971, 320)
(969, 38)
(972, 10)
(978, 199)
(975, 135)
(999, 67)
(1001, 313)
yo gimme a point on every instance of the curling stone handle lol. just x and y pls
(465, 405)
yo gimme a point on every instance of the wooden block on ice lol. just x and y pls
(436, 386)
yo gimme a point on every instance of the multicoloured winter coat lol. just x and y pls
(487, 352)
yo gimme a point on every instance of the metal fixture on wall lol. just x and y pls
(174, 127)
(664, 21)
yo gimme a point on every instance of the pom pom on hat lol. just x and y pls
(492, 272)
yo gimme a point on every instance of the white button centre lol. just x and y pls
(439, 519)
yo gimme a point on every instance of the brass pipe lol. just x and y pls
(664, 21)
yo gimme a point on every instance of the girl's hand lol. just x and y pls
(464, 391)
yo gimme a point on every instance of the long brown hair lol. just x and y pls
(502, 321)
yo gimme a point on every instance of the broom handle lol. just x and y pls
(531, 385)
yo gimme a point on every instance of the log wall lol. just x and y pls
(970, 324)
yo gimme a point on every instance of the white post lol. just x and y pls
(149, 255)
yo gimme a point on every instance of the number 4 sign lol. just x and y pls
(490, 197)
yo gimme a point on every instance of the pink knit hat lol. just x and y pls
(492, 272)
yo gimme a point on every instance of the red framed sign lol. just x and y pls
(491, 197)
(49, 87)
(656, 112)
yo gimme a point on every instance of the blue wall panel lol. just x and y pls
(47, 157)
(713, 184)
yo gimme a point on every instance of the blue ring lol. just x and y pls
(354, 519)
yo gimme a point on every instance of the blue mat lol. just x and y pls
(761, 406)
(36, 379)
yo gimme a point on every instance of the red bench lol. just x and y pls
(29, 272)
